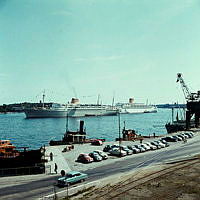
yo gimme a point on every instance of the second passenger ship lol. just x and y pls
(133, 108)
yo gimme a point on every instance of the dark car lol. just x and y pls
(97, 142)
(84, 158)
(189, 134)
(181, 136)
(107, 148)
(170, 139)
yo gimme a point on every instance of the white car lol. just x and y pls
(117, 152)
(128, 151)
(134, 149)
(146, 147)
(161, 144)
(102, 154)
(140, 148)
(151, 146)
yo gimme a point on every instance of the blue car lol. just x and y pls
(71, 177)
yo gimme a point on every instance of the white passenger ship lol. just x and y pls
(132, 107)
(73, 109)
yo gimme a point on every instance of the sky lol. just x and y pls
(86, 48)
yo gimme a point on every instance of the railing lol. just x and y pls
(22, 171)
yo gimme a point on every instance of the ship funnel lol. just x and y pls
(131, 100)
(75, 101)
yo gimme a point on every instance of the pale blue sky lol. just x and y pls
(133, 48)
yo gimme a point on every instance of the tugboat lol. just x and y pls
(71, 137)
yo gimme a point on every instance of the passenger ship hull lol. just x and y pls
(72, 112)
(133, 110)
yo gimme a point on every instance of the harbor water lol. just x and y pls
(34, 133)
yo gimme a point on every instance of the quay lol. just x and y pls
(66, 160)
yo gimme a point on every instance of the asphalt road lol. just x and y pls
(36, 189)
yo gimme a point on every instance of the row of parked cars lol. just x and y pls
(179, 137)
(117, 150)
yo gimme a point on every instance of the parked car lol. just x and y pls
(102, 154)
(185, 135)
(115, 146)
(153, 147)
(134, 149)
(160, 143)
(189, 134)
(182, 136)
(71, 177)
(96, 157)
(164, 142)
(97, 142)
(140, 148)
(170, 139)
(107, 148)
(177, 137)
(128, 151)
(146, 147)
(84, 158)
(156, 144)
(117, 152)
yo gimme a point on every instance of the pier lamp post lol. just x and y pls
(119, 133)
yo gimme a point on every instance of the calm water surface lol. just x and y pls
(35, 133)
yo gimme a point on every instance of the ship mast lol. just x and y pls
(98, 99)
(43, 96)
(113, 100)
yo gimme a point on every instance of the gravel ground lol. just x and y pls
(182, 184)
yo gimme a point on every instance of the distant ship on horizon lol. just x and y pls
(134, 108)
